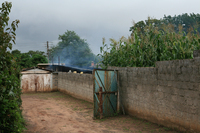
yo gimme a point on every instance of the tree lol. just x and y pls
(17, 56)
(38, 58)
(11, 119)
(16, 53)
(190, 22)
(25, 61)
(72, 50)
(31, 53)
(29, 59)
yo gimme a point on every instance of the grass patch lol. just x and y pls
(126, 129)
(75, 109)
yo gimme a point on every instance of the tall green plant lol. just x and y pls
(11, 119)
(143, 50)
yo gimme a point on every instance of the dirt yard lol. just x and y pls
(60, 113)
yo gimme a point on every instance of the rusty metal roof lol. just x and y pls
(35, 70)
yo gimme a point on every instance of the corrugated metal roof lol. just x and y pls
(35, 70)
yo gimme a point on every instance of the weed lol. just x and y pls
(167, 129)
(116, 113)
(102, 119)
(152, 131)
(147, 123)
(126, 129)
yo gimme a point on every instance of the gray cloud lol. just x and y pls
(45, 20)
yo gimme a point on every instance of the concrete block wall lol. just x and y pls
(138, 88)
(179, 85)
(168, 94)
(78, 85)
(55, 81)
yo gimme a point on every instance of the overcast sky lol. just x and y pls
(45, 20)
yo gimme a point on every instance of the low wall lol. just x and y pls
(179, 93)
(168, 94)
(55, 81)
(78, 85)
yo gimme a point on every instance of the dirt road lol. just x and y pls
(60, 113)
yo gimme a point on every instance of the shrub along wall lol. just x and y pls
(168, 94)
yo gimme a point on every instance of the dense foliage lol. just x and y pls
(154, 44)
(29, 59)
(11, 119)
(187, 21)
(72, 50)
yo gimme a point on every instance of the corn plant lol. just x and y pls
(143, 50)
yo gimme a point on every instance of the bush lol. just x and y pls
(11, 119)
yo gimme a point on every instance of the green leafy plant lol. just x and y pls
(11, 119)
(29, 59)
(144, 49)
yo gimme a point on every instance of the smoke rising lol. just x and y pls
(73, 57)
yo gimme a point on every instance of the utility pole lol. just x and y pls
(58, 60)
(48, 51)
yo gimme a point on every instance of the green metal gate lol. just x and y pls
(105, 93)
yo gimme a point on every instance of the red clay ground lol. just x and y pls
(60, 113)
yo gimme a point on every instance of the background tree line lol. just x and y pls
(29, 59)
(154, 40)
(189, 23)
